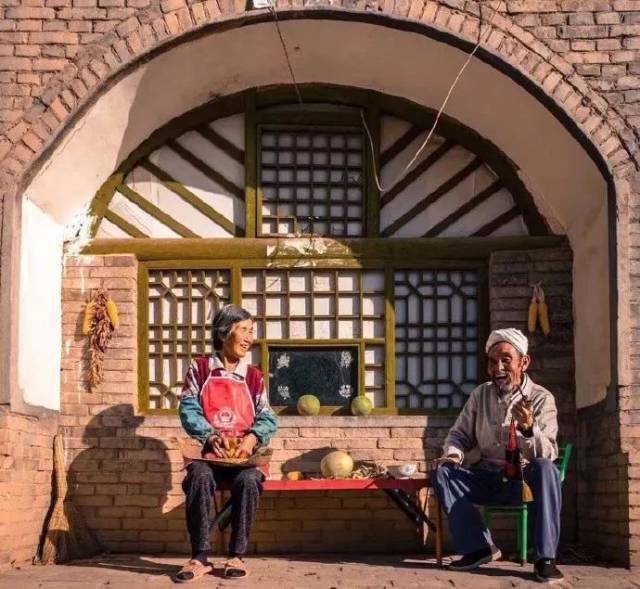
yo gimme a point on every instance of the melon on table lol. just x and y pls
(336, 465)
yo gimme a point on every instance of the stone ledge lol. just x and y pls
(350, 421)
(330, 421)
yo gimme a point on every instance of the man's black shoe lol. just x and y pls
(547, 571)
(474, 559)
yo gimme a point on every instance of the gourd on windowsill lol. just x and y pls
(361, 405)
(308, 405)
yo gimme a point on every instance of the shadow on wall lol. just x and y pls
(306, 462)
(123, 485)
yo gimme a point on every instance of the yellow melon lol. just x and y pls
(308, 405)
(361, 406)
(295, 475)
(336, 465)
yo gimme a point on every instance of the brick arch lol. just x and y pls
(604, 131)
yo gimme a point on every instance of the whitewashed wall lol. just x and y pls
(40, 308)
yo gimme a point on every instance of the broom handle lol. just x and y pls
(58, 467)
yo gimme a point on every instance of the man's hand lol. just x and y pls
(246, 446)
(522, 412)
(219, 445)
(448, 459)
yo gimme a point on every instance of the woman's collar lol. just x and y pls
(239, 370)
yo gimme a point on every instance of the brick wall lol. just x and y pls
(126, 468)
(26, 464)
(39, 38)
(603, 488)
(629, 397)
(602, 492)
(1, 231)
(627, 470)
(601, 38)
(511, 277)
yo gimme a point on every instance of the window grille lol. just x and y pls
(312, 182)
(436, 328)
(181, 306)
(322, 305)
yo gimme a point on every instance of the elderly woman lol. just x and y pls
(224, 397)
(508, 412)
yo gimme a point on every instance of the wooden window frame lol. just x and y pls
(257, 120)
(372, 258)
(311, 128)
(369, 104)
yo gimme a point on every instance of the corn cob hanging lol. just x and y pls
(543, 312)
(538, 311)
(100, 321)
(89, 314)
(533, 312)
(112, 311)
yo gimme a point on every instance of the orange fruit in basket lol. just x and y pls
(233, 443)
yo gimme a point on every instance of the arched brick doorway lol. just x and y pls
(576, 200)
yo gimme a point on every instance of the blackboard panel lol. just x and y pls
(328, 372)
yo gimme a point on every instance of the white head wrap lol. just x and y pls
(512, 336)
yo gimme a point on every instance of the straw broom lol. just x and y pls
(67, 536)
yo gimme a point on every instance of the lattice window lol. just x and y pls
(312, 182)
(181, 305)
(436, 326)
(436, 338)
(322, 305)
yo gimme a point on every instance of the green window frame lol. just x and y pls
(372, 260)
(334, 214)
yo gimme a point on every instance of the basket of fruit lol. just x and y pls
(192, 450)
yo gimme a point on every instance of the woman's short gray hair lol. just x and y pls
(223, 322)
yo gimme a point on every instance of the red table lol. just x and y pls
(382, 484)
(346, 484)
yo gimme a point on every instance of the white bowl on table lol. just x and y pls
(404, 470)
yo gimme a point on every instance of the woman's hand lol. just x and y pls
(246, 446)
(219, 445)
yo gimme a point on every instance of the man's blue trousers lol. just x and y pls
(459, 489)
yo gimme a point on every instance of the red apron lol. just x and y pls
(228, 406)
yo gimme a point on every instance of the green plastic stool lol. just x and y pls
(522, 511)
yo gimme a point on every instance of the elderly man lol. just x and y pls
(510, 403)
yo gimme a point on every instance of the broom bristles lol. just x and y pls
(67, 536)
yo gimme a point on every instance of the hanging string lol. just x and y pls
(413, 160)
(272, 9)
(408, 167)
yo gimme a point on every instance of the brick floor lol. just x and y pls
(307, 572)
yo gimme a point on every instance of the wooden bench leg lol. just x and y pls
(423, 503)
(438, 531)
